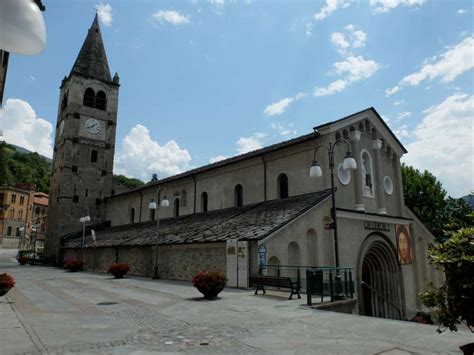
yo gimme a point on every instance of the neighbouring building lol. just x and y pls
(221, 215)
(16, 213)
(39, 220)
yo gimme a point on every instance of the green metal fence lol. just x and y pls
(330, 282)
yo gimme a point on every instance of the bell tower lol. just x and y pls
(84, 145)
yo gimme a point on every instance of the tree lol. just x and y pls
(129, 182)
(425, 196)
(455, 299)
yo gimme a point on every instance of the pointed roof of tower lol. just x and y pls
(92, 60)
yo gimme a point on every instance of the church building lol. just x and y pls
(262, 209)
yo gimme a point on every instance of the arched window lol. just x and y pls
(20, 213)
(94, 156)
(64, 102)
(152, 215)
(12, 213)
(367, 174)
(89, 96)
(238, 195)
(273, 266)
(204, 202)
(294, 254)
(176, 207)
(101, 101)
(183, 198)
(282, 186)
(132, 215)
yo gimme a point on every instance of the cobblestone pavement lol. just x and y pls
(54, 312)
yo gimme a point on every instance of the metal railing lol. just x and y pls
(383, 297)
(322, 282)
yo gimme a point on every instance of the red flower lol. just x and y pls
(7, 281)
(209, 280)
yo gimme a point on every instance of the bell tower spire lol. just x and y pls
(91, 61)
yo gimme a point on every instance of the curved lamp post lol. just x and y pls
(84, 219)
(315, 170)
(156, 207)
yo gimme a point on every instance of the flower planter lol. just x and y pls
(118, 275)
(3, 291)
(119, 270)
(74, 265)
(22, 260)
(210, 293)
(7, 282)
(210, 283)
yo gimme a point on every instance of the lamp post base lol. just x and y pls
(155, 273)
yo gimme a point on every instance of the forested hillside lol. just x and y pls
(19, 166)
(23, 168)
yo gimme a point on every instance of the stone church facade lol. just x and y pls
(221, 214)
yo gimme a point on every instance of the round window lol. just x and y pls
(343, 175)
(388, 185)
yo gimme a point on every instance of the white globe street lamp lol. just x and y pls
(155, 207)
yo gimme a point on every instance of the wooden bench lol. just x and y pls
(279, 282)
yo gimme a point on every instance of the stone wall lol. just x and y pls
(9, 242)
(181, 262)
(175, 262)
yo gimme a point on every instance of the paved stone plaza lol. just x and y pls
(54, 312)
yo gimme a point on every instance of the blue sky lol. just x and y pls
(202, 80)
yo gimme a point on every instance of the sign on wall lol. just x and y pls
(403, 244)
(377, 226)
(262, 257)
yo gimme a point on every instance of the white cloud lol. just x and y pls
(284, 131)
(218, 158)
(105, 14)
(331, 89)
(217, 2)
(171, 16)
(355, 38)
(450, 64)
(339, 40)
(443, 143)
(403, 115)
(381, 6)
(277, 108)
(402, 131)
(358, 37)
(309, 29)
(461, 11)
(22, 127)
(353, 69)
(399, 102)
(391, 91)
(247, 144)
(140, 156)
(330, 7)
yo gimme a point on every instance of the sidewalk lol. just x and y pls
(14, 336)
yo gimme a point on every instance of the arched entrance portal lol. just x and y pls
(379, 279)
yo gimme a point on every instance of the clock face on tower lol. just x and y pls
(93, 126)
